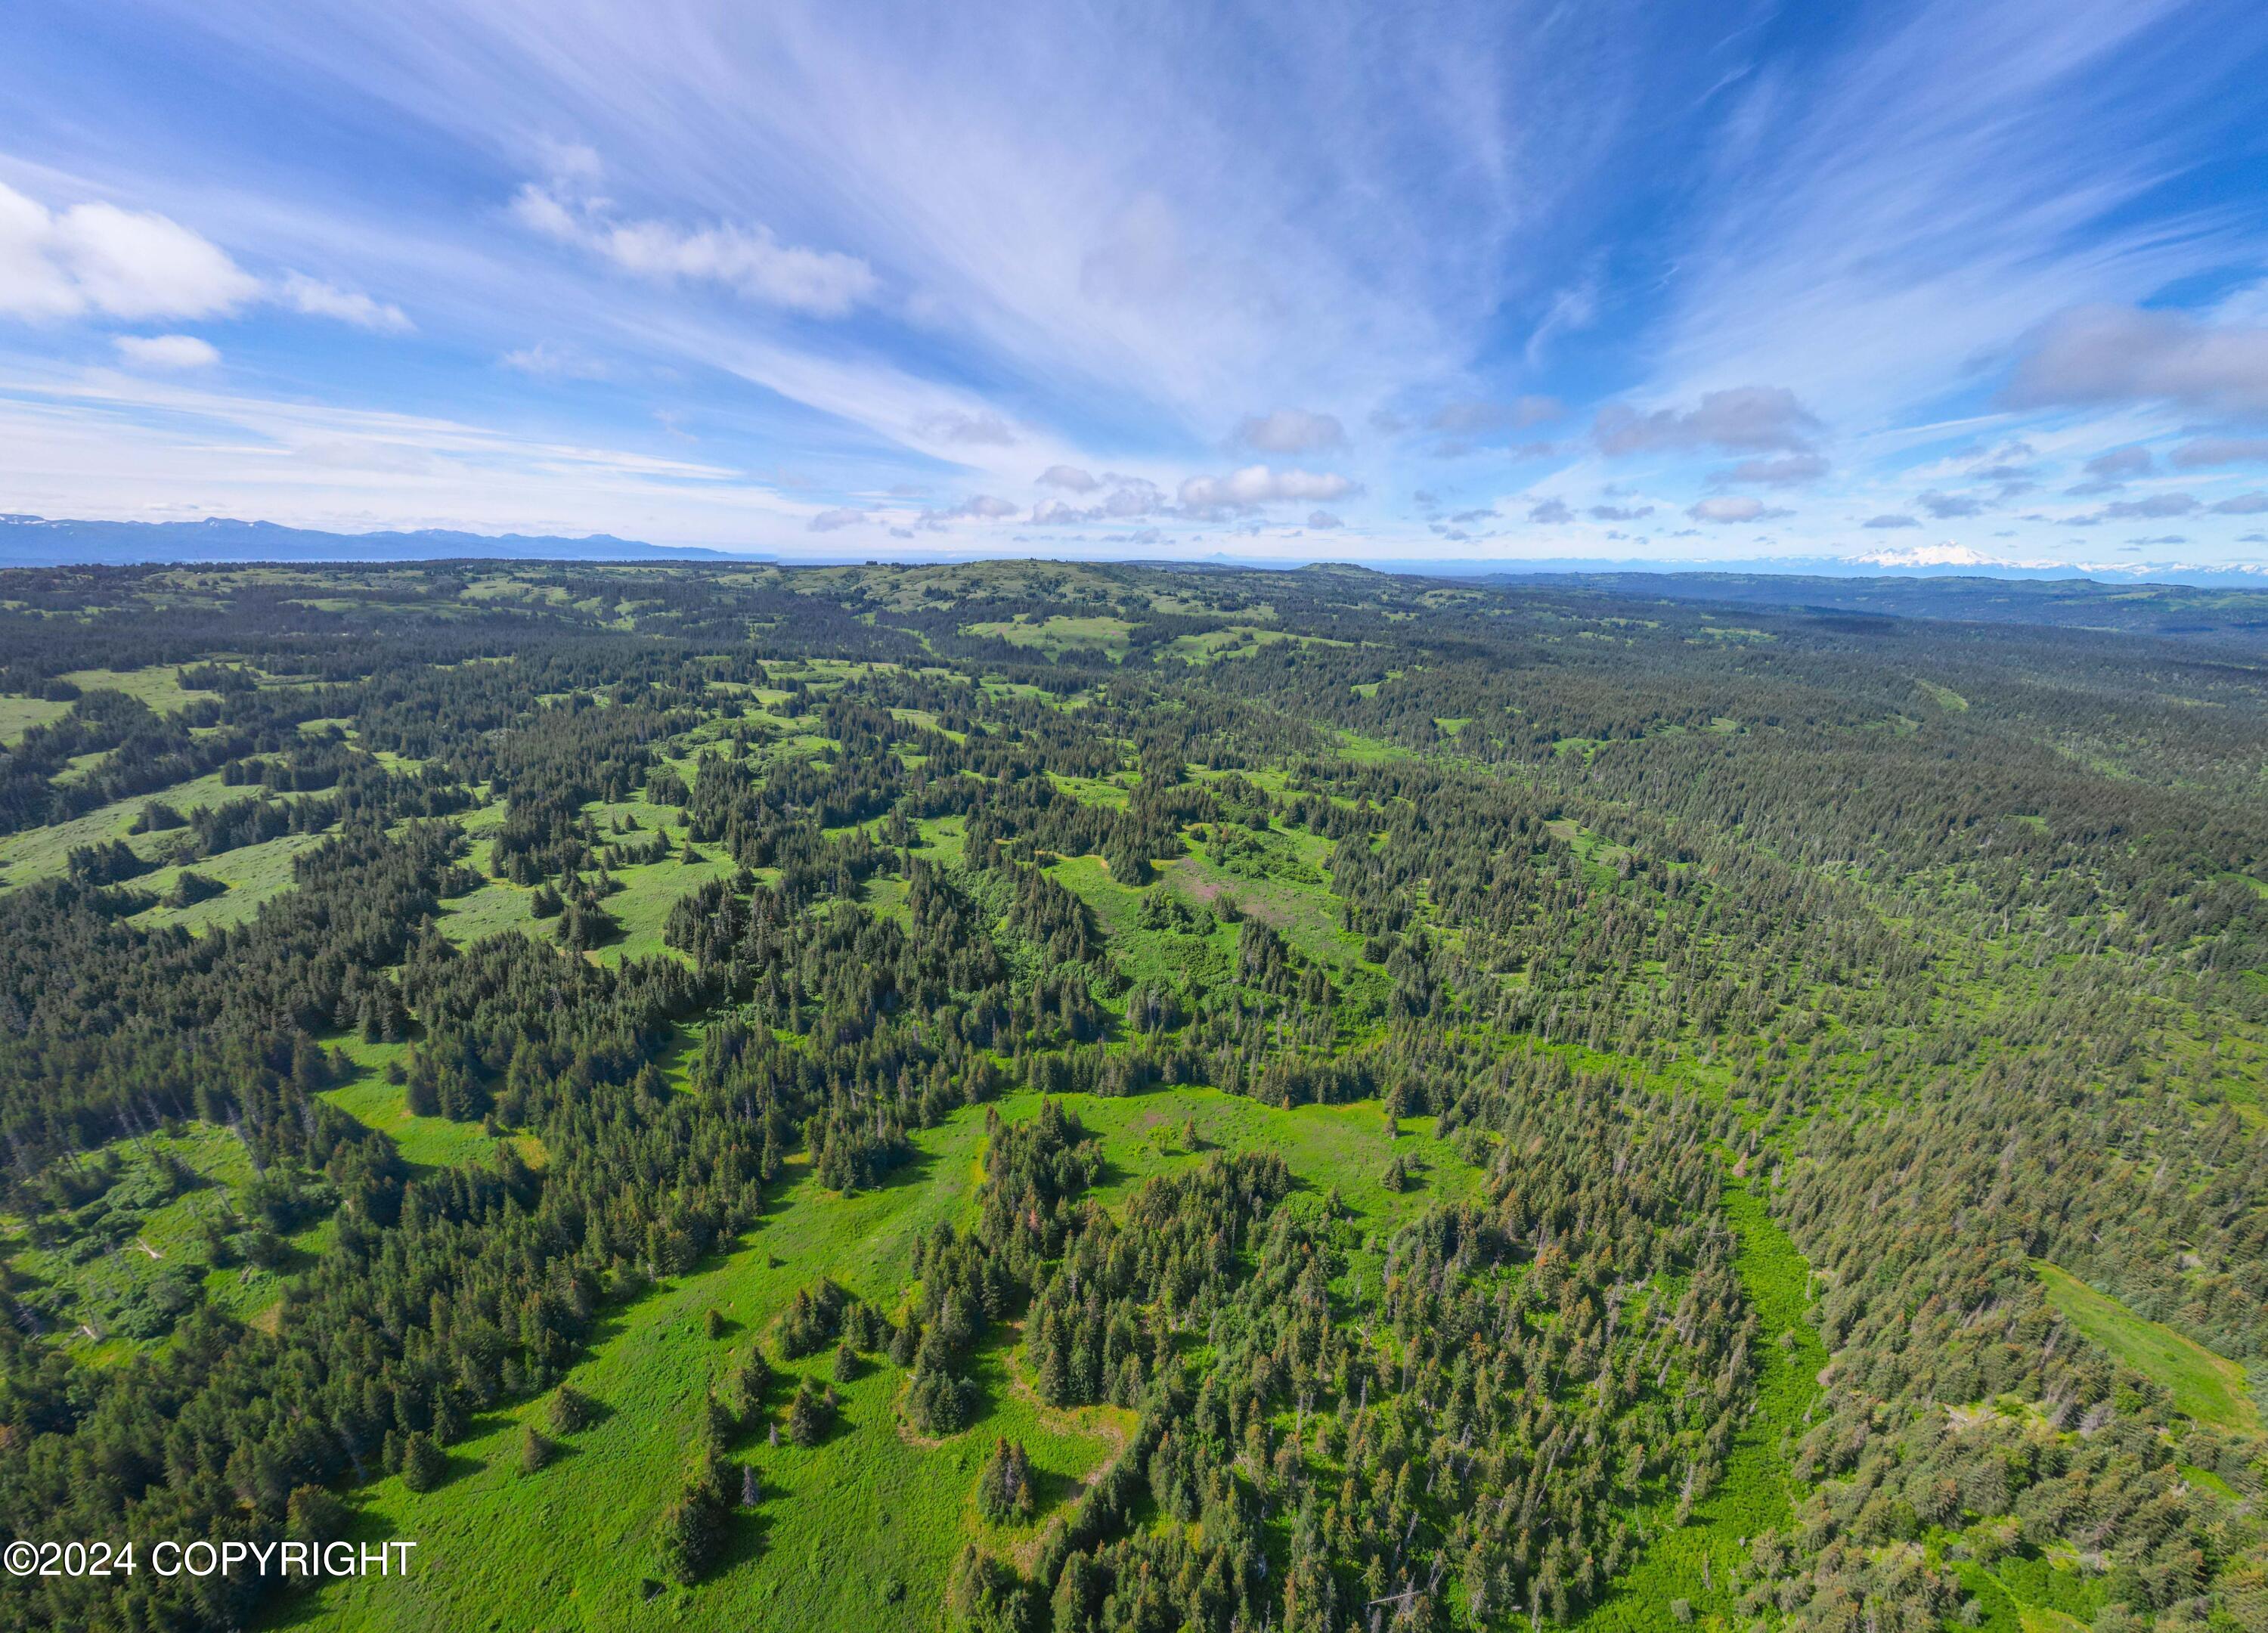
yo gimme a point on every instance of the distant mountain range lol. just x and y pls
(35, 541)
(1940, 560)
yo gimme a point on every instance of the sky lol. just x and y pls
(1622, 280)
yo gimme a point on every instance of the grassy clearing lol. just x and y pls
(104, 1272)
(870, 1514)
(370, 1100)
(19, 715)
(2208, 1387)
(1053, 636)
(255, 874)
(1694, 1562)
(43, 852)
(648, 892)
(494, 908)
(159, 686)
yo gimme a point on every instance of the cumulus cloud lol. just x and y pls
(747, 259)
(981, 507)
(1747, 419)
(98, 259)
(1291, 431)
(1130, 497)
(1890, 519)
(1945, 506)
(1551, 512)
(833, 520)
(1323, 520)
(2095, 355)
(1256, 485)
(2242, 504)
(1056, 513)
(1069, 478)
(1619, 513)
(2203, 452)
(1785, 471)
(1735, 509)
(166, 351)
(320, 300)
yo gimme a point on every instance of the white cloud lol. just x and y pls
(545, 361)
(986, 430)
(98, 259)
(160, 446)
(830, 521)
(1746, 419)
(1891, 520)
(1739, 509)
(1878, 222)
(166, 351)
(745, 259)
(2208, 451)
(980, 507)
(1291, 431)
(1069, 478)
(2119, 464)
(1470, 418)
(2106, 354)
(1786, 470)
(1323, 520)
(1256, 485)
(2156, 507)
(320, 300)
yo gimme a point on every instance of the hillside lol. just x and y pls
(1069, 1100)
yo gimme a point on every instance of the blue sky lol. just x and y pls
(1615, 281)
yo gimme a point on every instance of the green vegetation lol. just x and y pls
(1038, 1099)
(2206, 1387)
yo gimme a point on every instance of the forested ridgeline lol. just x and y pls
(413, 978)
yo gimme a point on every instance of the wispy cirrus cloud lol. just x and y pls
(1466, 248)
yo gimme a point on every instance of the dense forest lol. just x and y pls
(1050, 1098)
